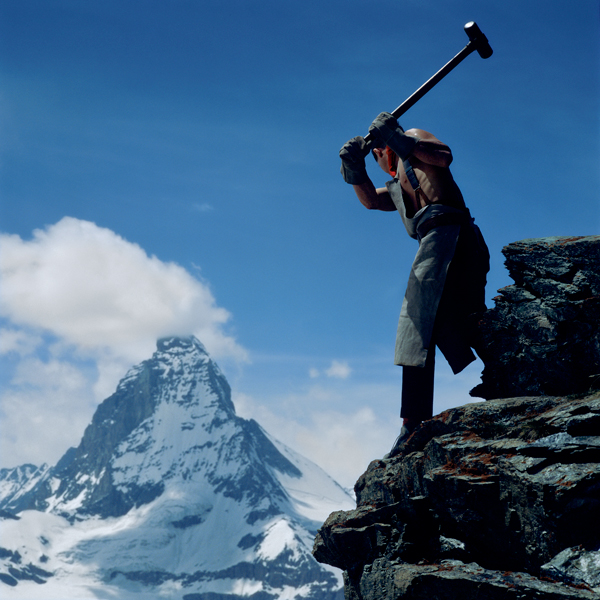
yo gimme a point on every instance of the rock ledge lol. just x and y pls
(498, 499)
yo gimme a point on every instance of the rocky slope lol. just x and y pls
(486, 498)
(497, 499)
(169, 494)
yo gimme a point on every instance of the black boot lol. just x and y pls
(407, 430)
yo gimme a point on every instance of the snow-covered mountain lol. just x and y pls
(169, 494)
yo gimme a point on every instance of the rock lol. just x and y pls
(542, 337)
(452, 580)
(575, 566)
(483, 500)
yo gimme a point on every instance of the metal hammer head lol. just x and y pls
(479, 40)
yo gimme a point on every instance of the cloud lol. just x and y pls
(202, 207)
(44, 411)
(342, 442)
(93, 289)
(18, 341)
(339, 370)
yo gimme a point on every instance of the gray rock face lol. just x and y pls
(542, 337)
(490, 500)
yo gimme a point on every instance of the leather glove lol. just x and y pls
(353, 152)
(387, 129)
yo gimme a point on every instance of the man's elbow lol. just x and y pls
(445, 159)
(369, 204)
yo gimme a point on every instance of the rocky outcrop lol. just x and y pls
(497, 499)
(543, 337)
(485, 499)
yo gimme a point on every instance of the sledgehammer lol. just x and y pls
(477, 41)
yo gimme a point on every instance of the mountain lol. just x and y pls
(18, 482)
(170, 494)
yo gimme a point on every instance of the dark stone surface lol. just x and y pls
(542, 337)
(483, 500)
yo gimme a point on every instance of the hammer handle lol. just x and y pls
(476, 41)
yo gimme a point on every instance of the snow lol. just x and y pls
(280, 536)
(315, 495)
(19, 480)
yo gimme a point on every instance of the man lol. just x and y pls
(446, 286)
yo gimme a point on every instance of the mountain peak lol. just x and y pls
(169, 489)
(175, 345)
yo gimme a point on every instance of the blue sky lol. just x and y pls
(179, 164)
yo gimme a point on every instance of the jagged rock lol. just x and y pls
(575, 566)
(18, 482)
(499, 499)
(542, 337)
(483, 500)
(453, 580)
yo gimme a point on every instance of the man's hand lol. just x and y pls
(387, 129)
(353, 152)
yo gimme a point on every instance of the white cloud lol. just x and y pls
(339, 370)
(18, 341)
(343, 443)
(202, 207)
(44, 411)
(93, 289)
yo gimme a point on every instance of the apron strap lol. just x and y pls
(410, 173)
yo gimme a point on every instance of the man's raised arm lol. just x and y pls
(415, 142)
(354, 172)
(374, 198)
(430, 150)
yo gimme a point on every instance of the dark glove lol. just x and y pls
(387, 129)
(353, 152)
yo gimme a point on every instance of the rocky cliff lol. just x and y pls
(497, 499)
(542, 337)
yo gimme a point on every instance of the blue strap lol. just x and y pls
(408, 169)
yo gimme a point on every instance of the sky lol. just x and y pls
(172, 168)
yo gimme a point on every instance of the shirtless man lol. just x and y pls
(446, 286)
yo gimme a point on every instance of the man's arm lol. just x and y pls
(429, 149)
(374, 198)
(415, 142)
(354, 171)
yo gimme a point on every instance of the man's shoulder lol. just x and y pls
(421, 134)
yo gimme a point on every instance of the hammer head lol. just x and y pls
(479, 40)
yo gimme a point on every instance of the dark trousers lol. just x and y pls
(417, 389)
